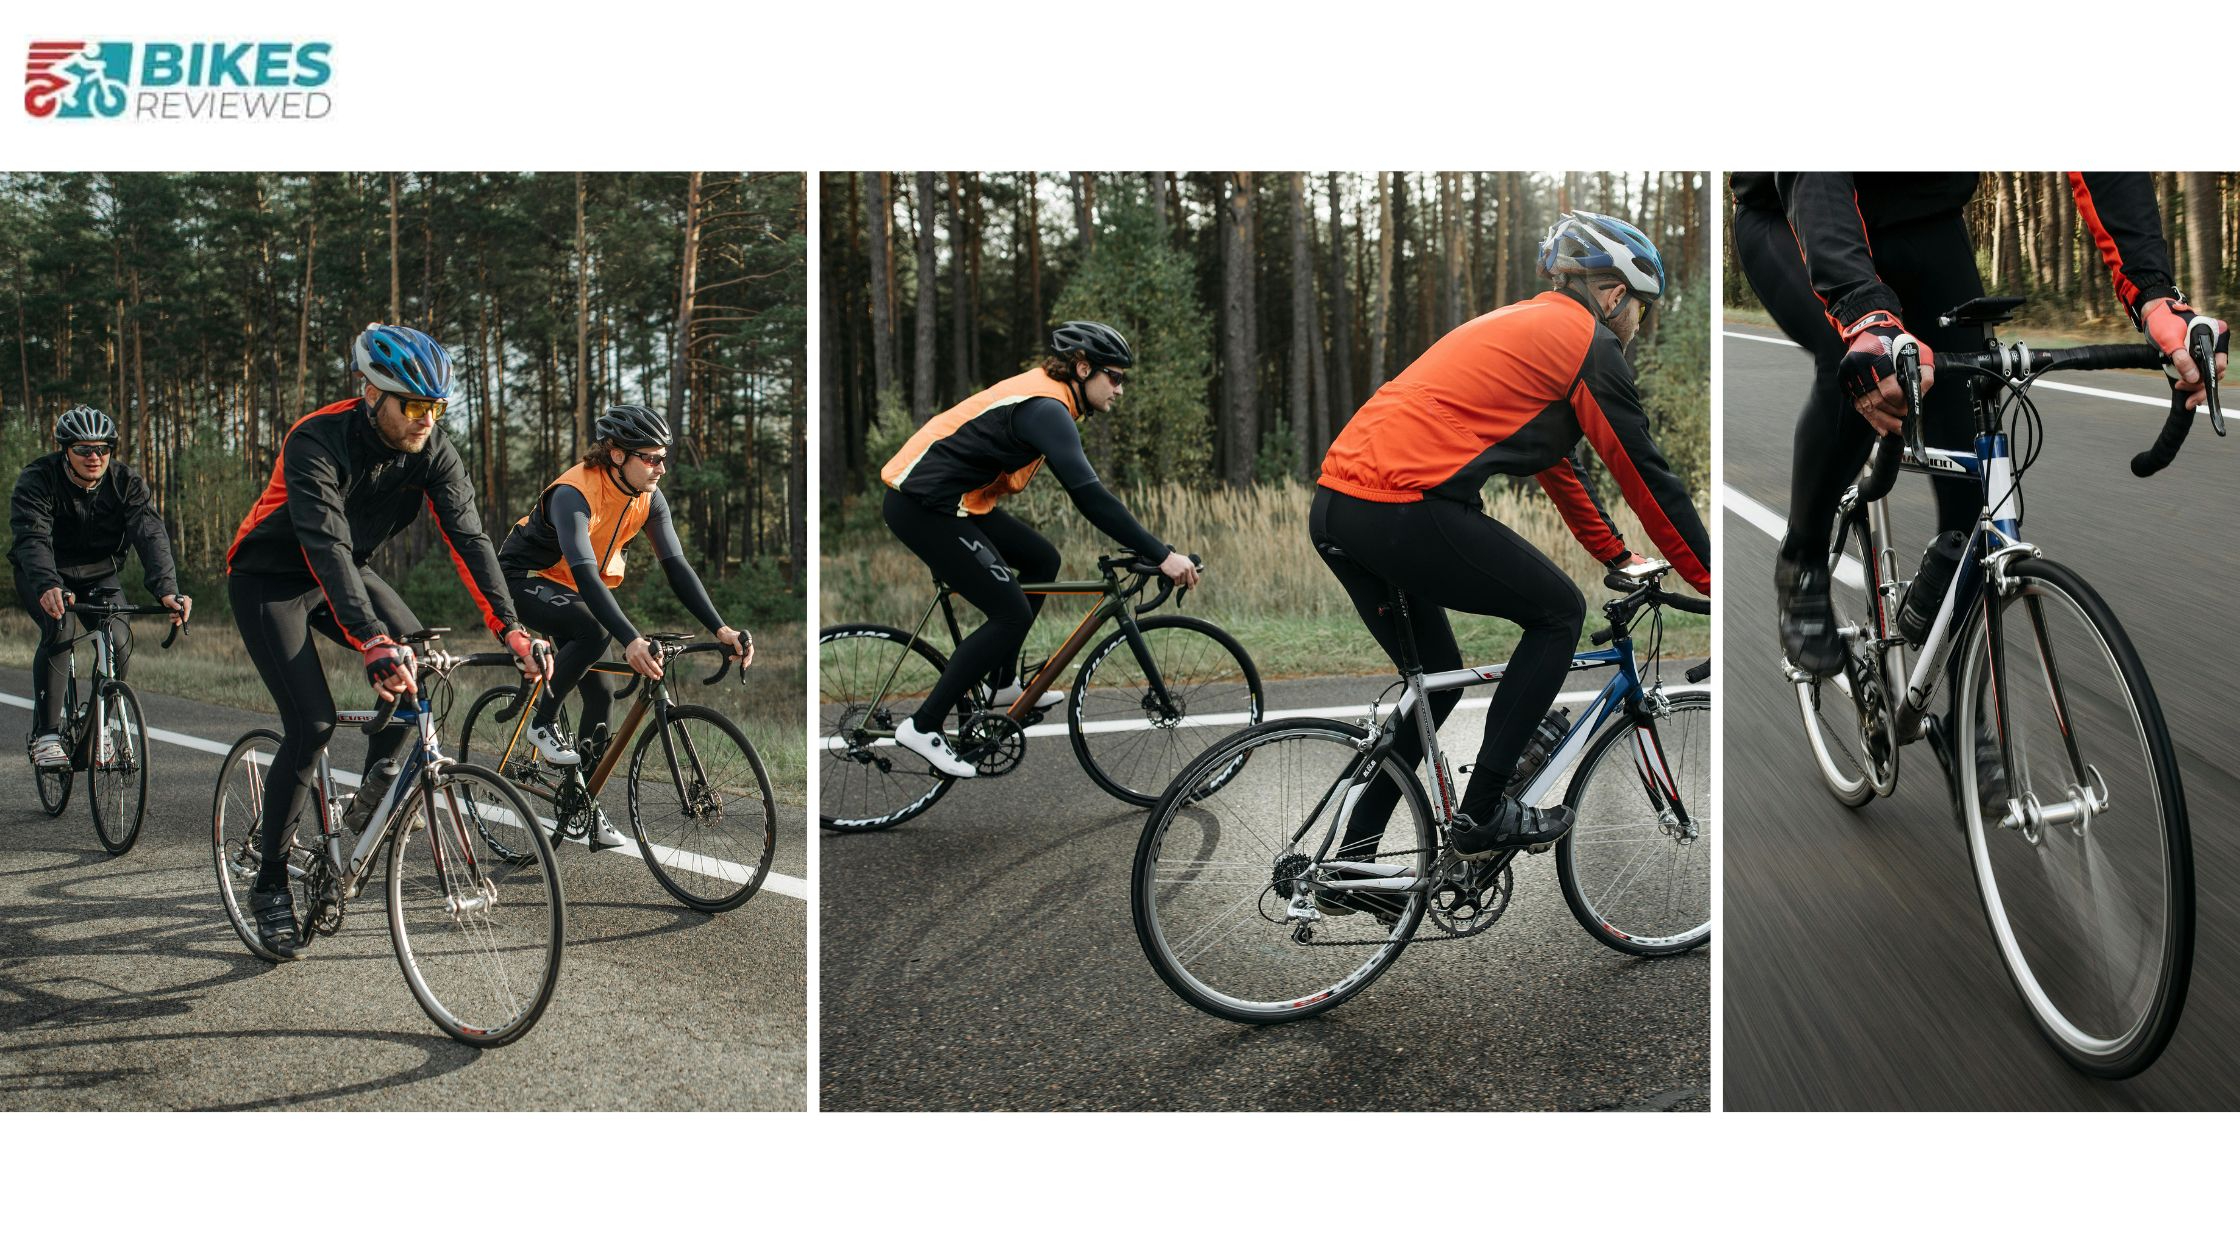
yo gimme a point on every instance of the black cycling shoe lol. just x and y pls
(1808, 618)
(1991, 770)
(1512, 826)
(275, 913)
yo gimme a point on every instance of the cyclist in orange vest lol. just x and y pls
(563, 560)
(943, 487)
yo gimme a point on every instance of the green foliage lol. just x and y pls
(1279, 456)
(1674, 374)
(1138, 282)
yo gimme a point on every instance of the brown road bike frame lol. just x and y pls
(618, 741)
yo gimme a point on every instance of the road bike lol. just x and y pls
(474, 900)
(701, 812)
(2060, 766)
(1253, 905)
(105, 735)
(1149, 697)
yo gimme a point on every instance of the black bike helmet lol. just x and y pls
(1103, 345)
(84, 424)
(632, 427)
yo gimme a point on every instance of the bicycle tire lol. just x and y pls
(2131, 859)
(237, 814)
(701, 864)
(1207, 673)
(55, 781)
(1627, 916)
(1835, 726)
(117, 792)
(883, 785)
(1274, 769)
(479, 942)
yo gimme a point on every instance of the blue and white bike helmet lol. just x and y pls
(1583, 243)
(400, 360)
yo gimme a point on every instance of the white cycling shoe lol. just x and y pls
(1006, 696)
(47, 753)
(549, 745)
(606, 837)
(931, 746)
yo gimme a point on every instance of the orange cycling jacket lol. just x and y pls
(1512, 391)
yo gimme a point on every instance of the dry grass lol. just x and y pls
(210, 666)
(1264, 582)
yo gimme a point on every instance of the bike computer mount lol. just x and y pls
(1980, 312)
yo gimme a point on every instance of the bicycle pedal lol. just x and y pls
(1542, 847)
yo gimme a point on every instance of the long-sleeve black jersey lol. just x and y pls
(1836, 213)
(67, 534)
(338, 492)
(559, 528)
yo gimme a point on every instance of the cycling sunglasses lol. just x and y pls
(87, 450)
(651, 461)
(1115, 375)
(421, 408)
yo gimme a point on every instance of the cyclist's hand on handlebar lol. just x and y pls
(181, 607)
(526, 657)
(54, 602)
(1178, 569)
(2167, 323)
(643, 657)
(388, 668)
(740, 643)
(1869, 371)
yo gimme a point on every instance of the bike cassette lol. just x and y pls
(992, 742)
(1470, 896)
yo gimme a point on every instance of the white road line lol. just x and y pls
(1769, 523)
(784, 885)
(2088, 391)
(1237, 718)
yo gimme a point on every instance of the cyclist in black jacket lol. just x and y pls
(350, 476)
(1847, 264)
(74, 513)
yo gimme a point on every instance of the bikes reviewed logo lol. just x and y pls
(86, 79)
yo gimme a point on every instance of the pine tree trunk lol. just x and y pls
(2202, 244)
(960, 300)
(303, 325)
(687, 289)
(1299, 397)
(878, 217)
(1380, 308)
(1342, 400)
(583, 323)
(1237, 367)
(396, 292)
(922, 384)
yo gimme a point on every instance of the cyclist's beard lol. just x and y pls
(1627, 321)
(402, 434)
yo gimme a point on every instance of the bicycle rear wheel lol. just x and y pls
(868, 679)
(1636, 876)
(479, 939)
(700, 805)
(1225, 878)
(1845, 717)
(117, 770)
(1130, 739)
(237, 820)
(2083, 859)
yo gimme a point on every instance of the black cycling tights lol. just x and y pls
(983, 558)
(1932, 268)
(50, 664)
(578, 641)
(275, 615)
(1445, 555)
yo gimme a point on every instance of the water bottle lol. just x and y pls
(370, 794)
(1938, 564)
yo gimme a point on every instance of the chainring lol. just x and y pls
(1470, 896)
(992, 742)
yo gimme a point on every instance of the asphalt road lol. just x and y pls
(123, 988)
(981, 957)
(1858, 969)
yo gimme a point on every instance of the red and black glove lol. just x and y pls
(1869, 356)
(523, 645)
(2168, 323)
(387, 664)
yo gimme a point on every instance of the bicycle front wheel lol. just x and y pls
(1133, 734)
(1636, 866)
(54, 787)
(2076, 822)
(700, 805)
(1231, 891)
(479, 938)
(117, 770)
(1846, 720)
(868, 679)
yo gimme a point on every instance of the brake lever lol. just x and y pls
(1907, 352)
(2201, 343)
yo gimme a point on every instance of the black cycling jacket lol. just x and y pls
(69, 535)
(338, 492)
(1836, 213)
